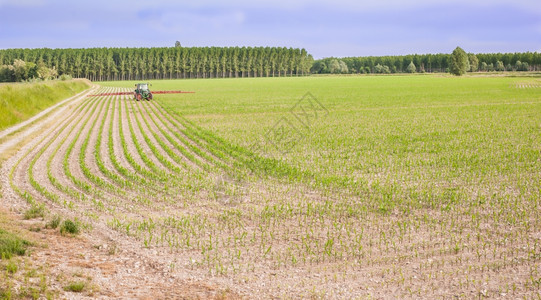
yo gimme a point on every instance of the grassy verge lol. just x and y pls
(20, 101)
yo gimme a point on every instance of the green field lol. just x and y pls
(472, 137)
(317, 187)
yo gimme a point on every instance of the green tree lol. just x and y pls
(20, 70)
(319, 67)
(518, 66)
(411, 68)
(382, 69)
(7, 73)
(43, 72)
(334, 66)
(459, 63)
(343, 68)
(499, 66)
(474, 62)
(483, 66)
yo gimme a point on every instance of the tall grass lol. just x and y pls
(20, 101)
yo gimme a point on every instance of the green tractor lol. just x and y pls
(142, 92)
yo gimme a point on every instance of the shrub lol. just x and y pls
(71, 227)
(76, 287)
(64, 77)
(55, 221)
(35, 211)
(12, 267)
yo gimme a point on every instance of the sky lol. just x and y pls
(336, 28)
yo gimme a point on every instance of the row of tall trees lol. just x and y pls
(103, 64)
(527, 61)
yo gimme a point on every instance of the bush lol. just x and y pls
(12, 267)
(35, 211)
(55, 221)
(21, 71)
(71, 227)
(64, 77)
(76, 287)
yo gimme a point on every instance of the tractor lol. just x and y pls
(142, 92)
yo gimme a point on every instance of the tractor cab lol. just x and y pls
(142, 92)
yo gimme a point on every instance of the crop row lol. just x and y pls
(157, 177)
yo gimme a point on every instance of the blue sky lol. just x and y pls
(324, 28)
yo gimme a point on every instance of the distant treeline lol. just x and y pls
(102, 64)
(527, 61)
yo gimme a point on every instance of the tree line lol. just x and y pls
(25, 71)
(527, 61)
(103, 64)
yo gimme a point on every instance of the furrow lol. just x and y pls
(163, 161)
(115, 150)
(195, 146)
(176, 144)
(132, 150)
(165, 144)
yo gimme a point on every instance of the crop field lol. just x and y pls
(312, 187)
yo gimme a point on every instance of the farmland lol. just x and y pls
(332, 187)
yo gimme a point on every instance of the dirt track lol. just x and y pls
(170, 214)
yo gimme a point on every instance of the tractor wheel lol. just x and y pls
(149, 97)
(139, 97)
